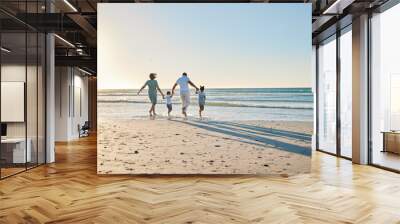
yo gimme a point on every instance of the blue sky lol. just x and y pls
(218, 45)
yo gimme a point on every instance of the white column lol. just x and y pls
(50, 99)
(360, 90)
(50, 92)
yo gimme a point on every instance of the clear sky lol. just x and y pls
(218, 45)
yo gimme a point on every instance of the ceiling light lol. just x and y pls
(5, 50)
(79, 51)
(84, 71)
(338, 6)
(65, 41)
(70, 5)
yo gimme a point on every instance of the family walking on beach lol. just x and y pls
(184, 90)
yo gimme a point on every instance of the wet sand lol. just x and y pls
(203, 147)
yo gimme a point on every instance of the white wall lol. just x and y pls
(62, 82)
(80, 109)
(70, 83)
(33, 127)
(12, 73)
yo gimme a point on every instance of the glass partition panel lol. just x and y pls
(327, 96)
(22, 88)
(14, 153)
(41, 98)
(32, 87)
(31, 98)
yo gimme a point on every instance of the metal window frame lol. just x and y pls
(387, 5)
(44, 74)
(339, 32)
(381, 9)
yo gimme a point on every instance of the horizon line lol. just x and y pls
(308, 87)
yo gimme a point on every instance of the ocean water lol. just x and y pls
(277, 104)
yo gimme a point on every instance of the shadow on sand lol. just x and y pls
(256, 135)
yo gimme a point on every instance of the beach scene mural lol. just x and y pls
(204, 89)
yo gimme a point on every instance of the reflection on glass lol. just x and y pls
(386, 89)
(394, 102)
(346, 94)
(327, 96)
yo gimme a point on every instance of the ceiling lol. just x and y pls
(75, 21)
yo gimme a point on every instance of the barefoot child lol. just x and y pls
(202, 100)
(168, 100)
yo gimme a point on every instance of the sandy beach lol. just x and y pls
(161, 146)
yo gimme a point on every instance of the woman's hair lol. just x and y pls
(168, 93)
(152, 76)
(202, 88)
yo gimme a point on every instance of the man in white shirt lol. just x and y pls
(184, 83)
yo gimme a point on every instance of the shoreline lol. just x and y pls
(134, 111)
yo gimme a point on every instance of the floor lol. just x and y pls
(387, 159)
(10, 171)
(70, 191)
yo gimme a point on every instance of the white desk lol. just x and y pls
(18, 144)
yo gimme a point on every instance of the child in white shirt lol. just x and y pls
(202, 100)
(168, 101)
